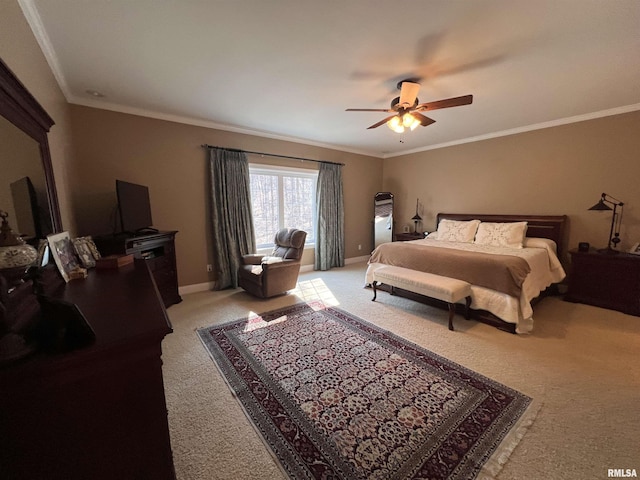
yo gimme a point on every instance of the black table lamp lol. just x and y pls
(616, 220)
(416, 218)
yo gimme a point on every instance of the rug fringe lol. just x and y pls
(498, 460)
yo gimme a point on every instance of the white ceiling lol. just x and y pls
(289, 68)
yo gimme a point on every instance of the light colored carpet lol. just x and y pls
(580, 365)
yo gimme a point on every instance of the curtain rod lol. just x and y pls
(272, 155)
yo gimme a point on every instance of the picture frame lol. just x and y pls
(635, 250)
(63, 254)
(86, 250)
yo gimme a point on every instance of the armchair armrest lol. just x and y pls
(283, 264)
(252, 259)
(279, 277)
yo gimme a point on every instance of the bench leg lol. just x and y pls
(466, 308)
(373, 285)
(452, 311)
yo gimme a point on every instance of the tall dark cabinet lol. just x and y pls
(157, 249)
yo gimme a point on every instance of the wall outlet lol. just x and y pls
(359, 247)
(209, 268)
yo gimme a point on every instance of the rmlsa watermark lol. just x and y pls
(622, 473)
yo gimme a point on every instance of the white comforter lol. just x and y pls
(546, 269)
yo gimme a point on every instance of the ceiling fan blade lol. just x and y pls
(446, 103)
(424, 121)
(408, 94)
(376, 125)
(368, 110)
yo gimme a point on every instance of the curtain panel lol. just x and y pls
(233, 234)
(329, 251)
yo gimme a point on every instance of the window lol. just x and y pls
(282, 197)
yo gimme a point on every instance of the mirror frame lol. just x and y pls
(19, 107)
(387, 196)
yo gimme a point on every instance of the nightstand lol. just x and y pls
(605, 280)
(406, 237)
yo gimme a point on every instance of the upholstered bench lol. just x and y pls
(449, 290)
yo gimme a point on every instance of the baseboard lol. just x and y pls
(203, 287)
(195, 288)
(351, 260)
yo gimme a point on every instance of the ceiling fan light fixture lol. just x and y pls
(399, 123)
(395, 124)
(407, 120)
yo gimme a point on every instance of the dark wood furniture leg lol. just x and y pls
(452, 311)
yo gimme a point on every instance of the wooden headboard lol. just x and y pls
(543, 226)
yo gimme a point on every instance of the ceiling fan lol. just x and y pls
(406, 109)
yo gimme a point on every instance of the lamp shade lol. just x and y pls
(601, 206)
(395, 124)
(416, 218)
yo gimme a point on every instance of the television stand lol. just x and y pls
(157, 249)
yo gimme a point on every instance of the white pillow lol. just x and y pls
(509, 235)
(456, 230)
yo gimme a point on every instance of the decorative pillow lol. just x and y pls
(509, 235)
(456, 230)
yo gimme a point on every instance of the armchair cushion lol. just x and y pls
(289, 243)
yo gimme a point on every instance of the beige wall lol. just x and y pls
(554, 171)
(21, 52)
(168, 158)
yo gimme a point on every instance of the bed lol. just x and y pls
(509, 260)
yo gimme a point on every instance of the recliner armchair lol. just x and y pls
(275, 274)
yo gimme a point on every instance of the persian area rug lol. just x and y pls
(335, 397)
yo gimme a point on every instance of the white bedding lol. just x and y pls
(546, 269)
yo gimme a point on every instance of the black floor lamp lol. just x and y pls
(616, 220)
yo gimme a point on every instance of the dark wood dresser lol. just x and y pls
(97, 412)
(157, 249)
(605, 280)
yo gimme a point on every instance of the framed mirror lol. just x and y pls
(27, 187)
(383, 218)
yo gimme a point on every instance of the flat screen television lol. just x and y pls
(134, 208)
